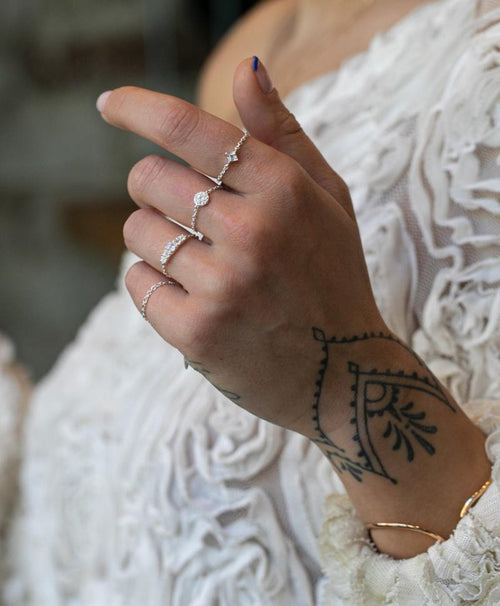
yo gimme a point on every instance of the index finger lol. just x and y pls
(199, 138)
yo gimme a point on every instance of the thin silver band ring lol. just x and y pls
(200, 199)
(154, 288)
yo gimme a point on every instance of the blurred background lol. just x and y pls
(63, 171)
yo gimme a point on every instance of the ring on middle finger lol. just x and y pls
(202, 198)
(170, 249)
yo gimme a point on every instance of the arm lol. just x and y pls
(282, 275)
(404, 449)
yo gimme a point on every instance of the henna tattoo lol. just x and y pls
(378, 410)
(199, 367)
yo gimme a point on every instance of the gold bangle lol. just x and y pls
(473, 499)
(413, 527)
(470, 502)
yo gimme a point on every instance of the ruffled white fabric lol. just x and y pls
(12, 399)
(465, 569)
(142, 485)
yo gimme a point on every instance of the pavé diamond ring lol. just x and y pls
(170, 249)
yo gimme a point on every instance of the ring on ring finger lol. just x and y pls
(170, 249)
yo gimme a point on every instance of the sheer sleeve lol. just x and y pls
(464, 569)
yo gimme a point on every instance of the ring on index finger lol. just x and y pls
(202, 198)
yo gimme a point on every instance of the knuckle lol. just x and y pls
(249, 234)
(288, 125)
(230, 286)
(292, 187)
(132, 276)
(294, 176)
(239, 231)
(342, 191)
(134, 227)
(265, 234)
(178, 123)
(146, 170)
(198, 337)
(235, 283)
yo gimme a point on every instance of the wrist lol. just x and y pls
(401, 444)
(356, 371)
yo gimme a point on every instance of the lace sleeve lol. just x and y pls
(464, 569)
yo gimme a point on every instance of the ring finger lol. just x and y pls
(147, 234)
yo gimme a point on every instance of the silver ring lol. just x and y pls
(151, 291)
(202, 198)
(170, 249)
(232, 156)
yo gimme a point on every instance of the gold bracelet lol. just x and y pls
(414, 527)
(470, 502)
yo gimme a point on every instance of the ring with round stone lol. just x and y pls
(170, 249)
(202, 198)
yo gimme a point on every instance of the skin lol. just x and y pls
(297, 40)
(275, 308)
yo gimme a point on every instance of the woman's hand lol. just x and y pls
(275, 306)
(281, 259)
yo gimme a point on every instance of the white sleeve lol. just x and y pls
(13, 395)
(465, 569)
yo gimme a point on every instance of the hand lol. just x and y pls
(282, 254)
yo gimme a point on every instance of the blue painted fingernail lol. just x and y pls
(262, 76)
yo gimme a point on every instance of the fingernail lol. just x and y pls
(262, 76)
(101, 100)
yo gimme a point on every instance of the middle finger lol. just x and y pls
(169, 187)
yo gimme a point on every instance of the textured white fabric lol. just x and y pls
(12, 399)
(142, 485)
(465, 569)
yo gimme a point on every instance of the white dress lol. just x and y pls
(142, 485)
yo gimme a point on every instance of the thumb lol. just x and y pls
(266, 118)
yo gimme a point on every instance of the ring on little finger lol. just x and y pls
(153, 289)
